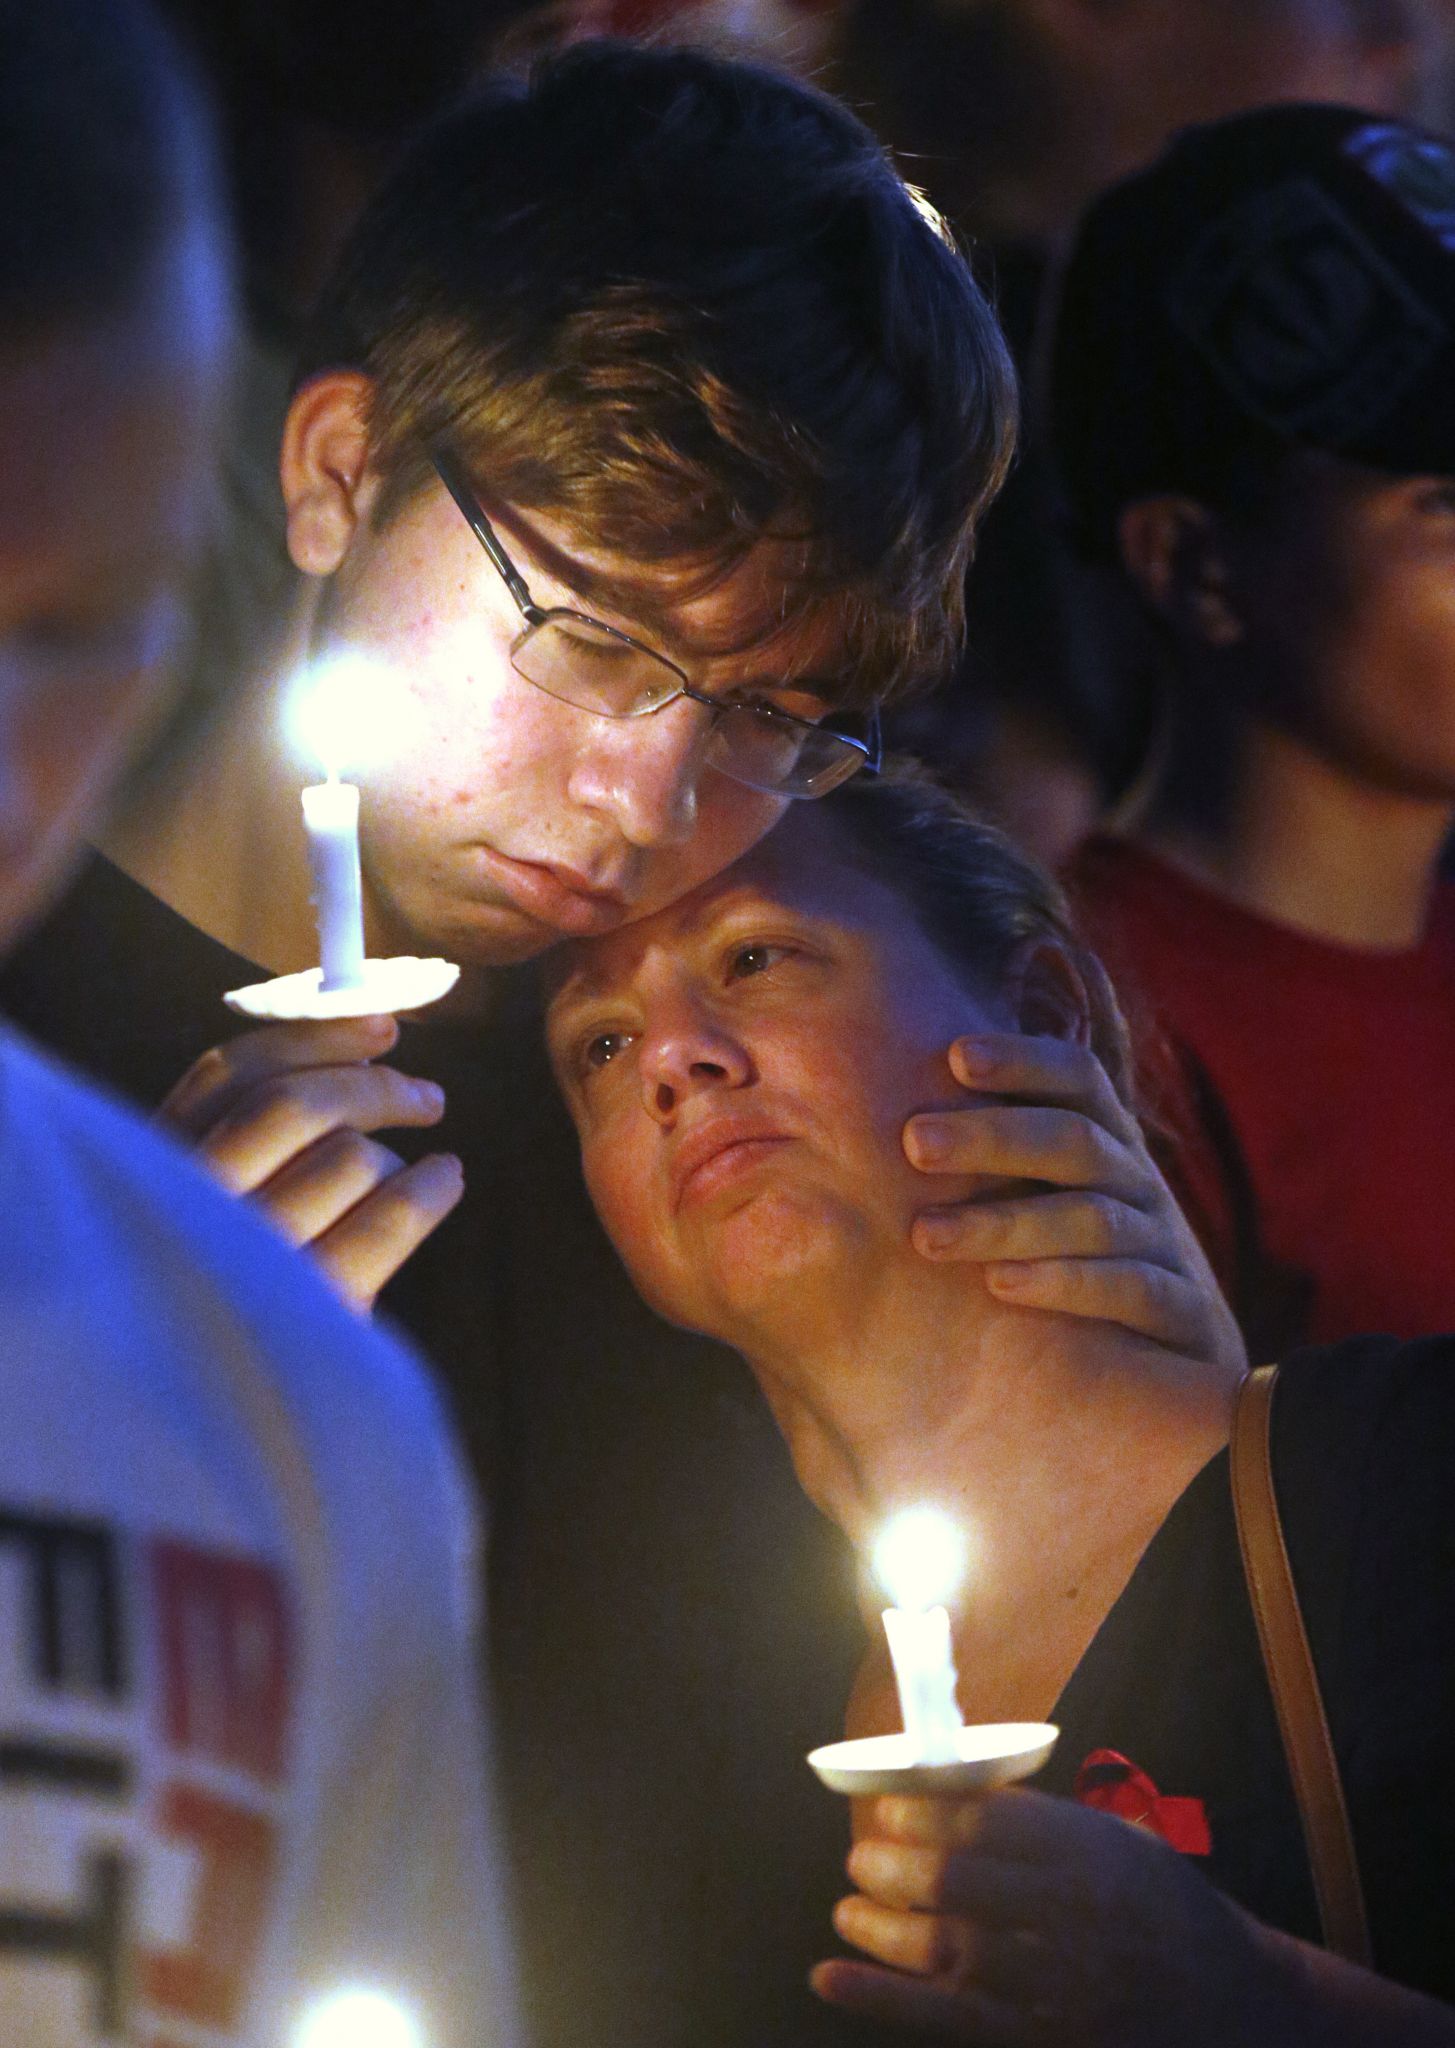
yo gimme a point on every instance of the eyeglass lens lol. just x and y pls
(579, 662)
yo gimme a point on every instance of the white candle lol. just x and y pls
(331, 821)
(924, 1671)
(919, 1558)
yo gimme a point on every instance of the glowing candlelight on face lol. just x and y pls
(919, 1559)
(339, 712)
(358, 2019)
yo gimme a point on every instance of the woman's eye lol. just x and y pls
(753, 960)
(607, 1046)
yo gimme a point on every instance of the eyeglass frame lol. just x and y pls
(452, 474)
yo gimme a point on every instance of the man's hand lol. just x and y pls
(1022, 1920)
(1101, 1239)
(282, 1115)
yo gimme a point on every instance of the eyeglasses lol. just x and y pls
(583, 661)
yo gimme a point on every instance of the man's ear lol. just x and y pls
(1173, 550)
(1047, 993)
(328, 488)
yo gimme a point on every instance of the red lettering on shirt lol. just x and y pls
(226, 1657)
(206, 1982)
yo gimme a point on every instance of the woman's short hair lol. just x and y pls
(685, 303)
(977, 897)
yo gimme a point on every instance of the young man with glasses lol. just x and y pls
(720, 408)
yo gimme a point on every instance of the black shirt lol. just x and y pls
(1364, 1466)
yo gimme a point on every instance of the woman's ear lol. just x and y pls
(1173, 550)
(328, 488)
(1047, 993)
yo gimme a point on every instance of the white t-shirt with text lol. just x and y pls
(241, 1762)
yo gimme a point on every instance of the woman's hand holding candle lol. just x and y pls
(1019, 1919)
(283, 1115)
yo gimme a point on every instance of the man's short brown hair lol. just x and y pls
(686, 304)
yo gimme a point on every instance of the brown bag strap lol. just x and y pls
(1291, 1675)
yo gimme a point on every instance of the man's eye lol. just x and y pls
(607, 1046)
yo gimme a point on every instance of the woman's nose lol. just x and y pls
(695, 1054)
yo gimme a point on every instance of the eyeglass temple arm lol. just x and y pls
(451, 474)
(873, 745)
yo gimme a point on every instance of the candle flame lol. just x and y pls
(919, 1558)
(356, 2018)
(344, 714)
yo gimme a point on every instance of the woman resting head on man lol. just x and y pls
(740, 1068)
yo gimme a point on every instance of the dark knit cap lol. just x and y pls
(1284, 279)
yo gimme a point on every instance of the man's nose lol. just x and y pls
(643, 773)
(692, 1054)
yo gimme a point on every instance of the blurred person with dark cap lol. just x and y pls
(240, 1755)
(1013, 114)
(1254, 410)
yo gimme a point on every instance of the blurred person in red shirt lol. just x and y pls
(1254, 409)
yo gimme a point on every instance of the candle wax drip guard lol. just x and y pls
(993, 1754)
(383, 988)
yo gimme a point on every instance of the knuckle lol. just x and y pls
(276, 1099)
(1160, 1285)
(349, 1151)
(407, 1195)
(1087, 1149)
(1104, 1225)
(989, 1231)
(214, 1067)
(1074, 1281)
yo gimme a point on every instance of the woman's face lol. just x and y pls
(740, 1067)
